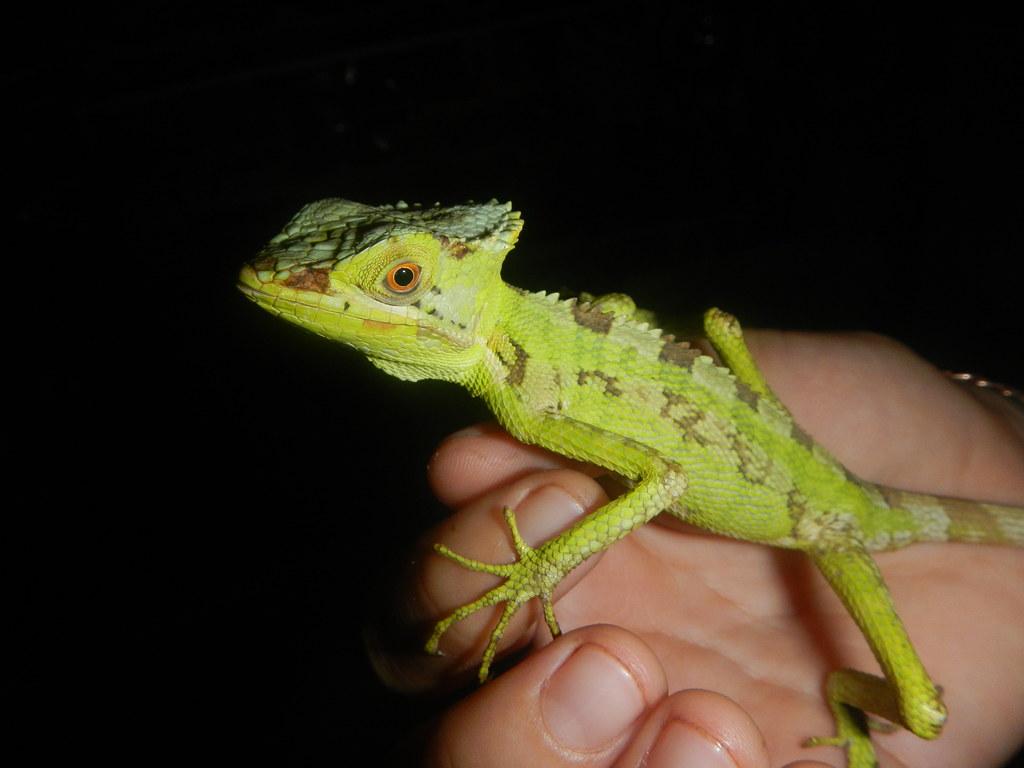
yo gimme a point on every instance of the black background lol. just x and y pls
(224, 498)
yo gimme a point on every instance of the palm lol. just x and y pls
(760, 625)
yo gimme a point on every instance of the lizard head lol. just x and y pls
(407, 286)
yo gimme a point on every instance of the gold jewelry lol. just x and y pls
(1015, 395)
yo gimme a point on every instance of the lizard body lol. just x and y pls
(419, 292)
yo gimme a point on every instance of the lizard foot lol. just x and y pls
(852, 734)
(532, 575)
(854, 696)
(859, 751)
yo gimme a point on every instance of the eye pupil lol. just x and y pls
(403, 278)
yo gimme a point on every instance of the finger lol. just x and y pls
(545, 503)
(595, 698)
(482, 458)
(577, 702)
(697, 727)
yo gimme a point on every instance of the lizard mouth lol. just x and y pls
(296, 307)
(250, 284)
(255, 289)
(252, 293)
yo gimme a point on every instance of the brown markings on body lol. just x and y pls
(747, 395)
(677, 352)
(971, 521)
(679, 411)
(517, 365)
(752, 466)
(857, 481)
(802, 437)
(893, 496)
(796, 504)
(592, 318)
(610, 382)
(968, 520)
(310, 280)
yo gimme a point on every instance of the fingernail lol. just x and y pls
(590, 700)
(548, 510)
(471, 431)
(681, 745)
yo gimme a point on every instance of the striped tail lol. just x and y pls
(941, 518)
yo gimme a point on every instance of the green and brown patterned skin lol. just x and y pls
(419, 292)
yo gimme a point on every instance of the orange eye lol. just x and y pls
(403, 277)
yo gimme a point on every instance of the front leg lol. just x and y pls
(538, 570)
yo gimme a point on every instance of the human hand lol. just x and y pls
(742, 636)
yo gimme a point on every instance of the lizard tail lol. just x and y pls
(940, 518)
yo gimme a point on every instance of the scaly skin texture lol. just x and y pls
(419, 292)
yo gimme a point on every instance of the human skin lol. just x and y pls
(683, 648)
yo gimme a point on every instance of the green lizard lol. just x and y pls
(419, 292)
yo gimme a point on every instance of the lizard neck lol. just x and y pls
(494, 357)
(535, 349)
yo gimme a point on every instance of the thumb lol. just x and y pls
(595, 697)
(577, 701)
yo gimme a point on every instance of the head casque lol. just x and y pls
(410, 287)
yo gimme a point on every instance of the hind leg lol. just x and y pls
(906, 695)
